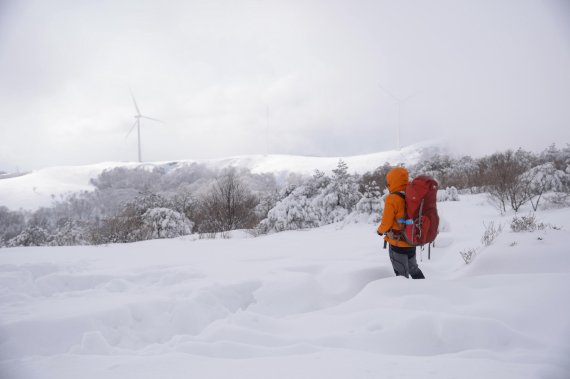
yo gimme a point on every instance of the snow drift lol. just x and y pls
(303, 304)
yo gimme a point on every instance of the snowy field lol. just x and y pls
(322, 303)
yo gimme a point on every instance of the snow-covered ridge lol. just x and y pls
(306, 165)
(38, 188)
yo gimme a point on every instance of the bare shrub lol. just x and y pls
(526, 224)
(258, 231)
(529, 224)
(557, 200)
(468, 255)
(229, 206)
(504, 176)
(125, 227)
(207, 236)
(491, 233)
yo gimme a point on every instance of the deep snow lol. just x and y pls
(302, 304)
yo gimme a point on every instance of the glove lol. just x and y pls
(380, 234)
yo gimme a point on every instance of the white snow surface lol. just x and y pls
(322, 303)
(39, 188)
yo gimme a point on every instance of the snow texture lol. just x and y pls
(320, 303)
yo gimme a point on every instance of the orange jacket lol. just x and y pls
(394, 207)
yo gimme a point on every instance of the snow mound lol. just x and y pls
(323, 302)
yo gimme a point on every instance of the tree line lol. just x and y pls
(129, 205)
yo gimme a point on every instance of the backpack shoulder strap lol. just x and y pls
(401, 194)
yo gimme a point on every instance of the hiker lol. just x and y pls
(402, 254)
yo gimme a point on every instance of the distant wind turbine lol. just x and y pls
(137, 123)
(267, 131)
(399, 101)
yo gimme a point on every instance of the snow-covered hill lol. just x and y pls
(322, 303)
(38, 188)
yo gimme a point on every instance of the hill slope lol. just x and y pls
(38, 188)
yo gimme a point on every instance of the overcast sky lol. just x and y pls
(296, 77)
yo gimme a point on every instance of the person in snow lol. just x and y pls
(402, 254)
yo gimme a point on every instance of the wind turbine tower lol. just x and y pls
(267, 131)
(399, 102)
(137, 123)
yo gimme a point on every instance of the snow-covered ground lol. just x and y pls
(322, 303)
(39, 188)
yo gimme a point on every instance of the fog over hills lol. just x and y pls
(39, 188)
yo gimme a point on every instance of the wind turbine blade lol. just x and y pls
(153, 119)
(389, 93)
(130, 131)
(134, 101)
(408, 98)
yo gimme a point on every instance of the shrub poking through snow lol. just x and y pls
(491, 233)
(468, 255)
(526, 224)
(529, 224)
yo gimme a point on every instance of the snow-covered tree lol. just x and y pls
(267, 201)
(437, 166)
(326, 205)
(292, 213)
(128, 225)
(165, 223)
(319, 201)
(11, 224)
(543, 178)
(69, 233)
(31, 236)
(345, 187)
(448, 194)
(378, 176)
(560, 158)
(370, 205)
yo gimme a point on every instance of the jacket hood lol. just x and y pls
(397, 179)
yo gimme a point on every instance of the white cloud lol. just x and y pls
(486, 75)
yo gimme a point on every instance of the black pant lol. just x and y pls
(404, 262)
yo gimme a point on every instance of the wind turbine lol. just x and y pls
(267, 131)
(399, 102)
(137, 123)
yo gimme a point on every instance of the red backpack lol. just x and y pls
(421, 221)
